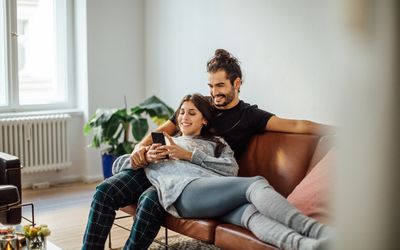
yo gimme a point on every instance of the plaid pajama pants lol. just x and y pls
(120, 190)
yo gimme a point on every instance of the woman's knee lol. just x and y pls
(258, 177)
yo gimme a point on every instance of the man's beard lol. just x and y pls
(228, 98)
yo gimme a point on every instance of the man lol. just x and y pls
(235, 120)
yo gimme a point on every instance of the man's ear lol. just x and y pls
(237, 83)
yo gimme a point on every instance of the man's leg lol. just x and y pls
(149, 217)
(118, 191)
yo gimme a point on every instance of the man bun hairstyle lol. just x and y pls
(223, 60)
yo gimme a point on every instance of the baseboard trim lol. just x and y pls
(91, 179)
(65, 180)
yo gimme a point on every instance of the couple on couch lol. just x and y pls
(205, 164)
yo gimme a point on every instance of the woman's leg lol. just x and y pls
(268, 230)
(213, 197)
(216, 196)
(226, 197)
(273, 232)
(273, 205)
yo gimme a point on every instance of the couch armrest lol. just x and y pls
(9, 196)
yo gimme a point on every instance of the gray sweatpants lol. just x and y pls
(252, 203)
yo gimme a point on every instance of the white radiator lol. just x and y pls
(40, 142)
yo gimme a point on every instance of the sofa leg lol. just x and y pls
(32, 220)
(109, 240)
(166, 238)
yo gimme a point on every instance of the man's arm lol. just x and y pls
(138, 157)
(277, 124)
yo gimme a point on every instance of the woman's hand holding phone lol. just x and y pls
(175, 151)
(156, 153)
(159, 151)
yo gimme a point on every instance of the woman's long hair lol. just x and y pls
(203, 104)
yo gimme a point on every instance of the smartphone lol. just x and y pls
(158, 137)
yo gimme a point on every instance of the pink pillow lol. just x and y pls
(312, 195)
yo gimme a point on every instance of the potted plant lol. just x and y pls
(117, 131)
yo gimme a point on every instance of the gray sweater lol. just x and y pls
(170, 177)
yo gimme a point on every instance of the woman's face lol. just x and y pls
(190, 119)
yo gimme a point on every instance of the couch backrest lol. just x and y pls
(282, 158)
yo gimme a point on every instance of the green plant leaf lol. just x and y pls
(87, 129)
(111, 130)
(102, 116)
(95, 142)
(158, 121)
(128, 147)
(154, 107)
(139, 128)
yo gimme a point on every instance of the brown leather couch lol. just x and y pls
(283, 159)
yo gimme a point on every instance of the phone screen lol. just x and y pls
(158, 137)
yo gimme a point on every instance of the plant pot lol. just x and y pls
(107, 160)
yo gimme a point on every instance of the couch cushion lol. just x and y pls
(313, 194)
(282, 158)
(9, 195)
(228, 236)
(324, 145)
(203, 230)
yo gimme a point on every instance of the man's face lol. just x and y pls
(221, 90)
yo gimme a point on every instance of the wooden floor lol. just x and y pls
(64, 208)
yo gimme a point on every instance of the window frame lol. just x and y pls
(11, 42)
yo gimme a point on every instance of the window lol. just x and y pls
(34, 70)
(3, 70)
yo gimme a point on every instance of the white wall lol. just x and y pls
(285, 48)
(114, 61)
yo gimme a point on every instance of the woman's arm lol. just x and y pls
(225, 164)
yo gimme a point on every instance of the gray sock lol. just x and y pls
(273, 205)
(324, 244)
(273, 232)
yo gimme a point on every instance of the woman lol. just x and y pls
(200, 164)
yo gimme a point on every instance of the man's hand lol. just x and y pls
(138, 157)
(175, 151)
